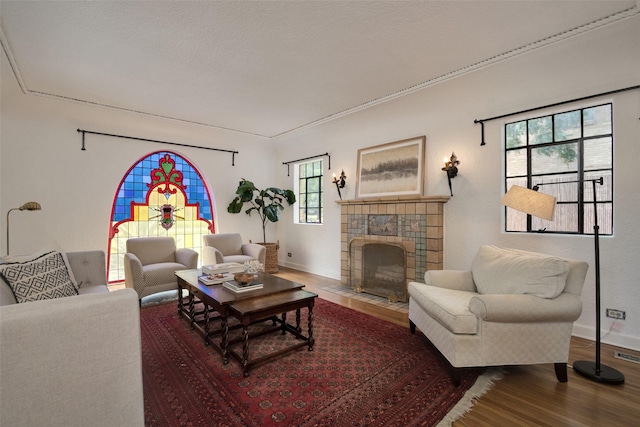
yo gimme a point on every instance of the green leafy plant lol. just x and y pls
(267, 203)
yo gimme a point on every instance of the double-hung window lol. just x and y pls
(310, 209)
(566, 150)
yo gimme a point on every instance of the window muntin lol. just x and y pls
(575, 145)
(310, 208)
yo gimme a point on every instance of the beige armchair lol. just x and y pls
(228, 247)
(151, 262)
(512, 308)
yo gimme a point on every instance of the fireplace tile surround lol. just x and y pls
(420, 230)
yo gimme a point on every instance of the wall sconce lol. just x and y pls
(451, 168)
(29, 206)
(340, 182)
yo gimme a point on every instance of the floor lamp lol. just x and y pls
(542, 205)
(29, 206)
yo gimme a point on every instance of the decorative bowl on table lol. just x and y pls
(244, 277)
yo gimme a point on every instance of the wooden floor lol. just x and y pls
(529, 395)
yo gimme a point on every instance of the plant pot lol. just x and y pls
(271, 260)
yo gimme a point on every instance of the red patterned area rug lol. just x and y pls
(362, 371)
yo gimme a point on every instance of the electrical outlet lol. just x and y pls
(616, 314)
(289, 254)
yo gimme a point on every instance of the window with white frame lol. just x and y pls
(309, 189)
(569, 150)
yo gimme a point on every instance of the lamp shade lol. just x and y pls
(530, 202)
(30, 206)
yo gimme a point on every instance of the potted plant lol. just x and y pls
(267, 204)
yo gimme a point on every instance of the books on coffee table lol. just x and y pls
(215, 279)
(227, 267)
(238, 287)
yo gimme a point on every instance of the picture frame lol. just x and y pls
(391, 169)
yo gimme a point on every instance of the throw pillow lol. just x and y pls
(504, 271)
(45, 277)
(7, 259)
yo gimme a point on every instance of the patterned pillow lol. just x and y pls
(45, 277)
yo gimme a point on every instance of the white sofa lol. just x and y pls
(72, 361)
(512, 308)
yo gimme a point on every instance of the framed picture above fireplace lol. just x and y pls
(392, 169)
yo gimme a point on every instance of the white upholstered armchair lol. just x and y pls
(512, 308)
(228, 247)
(151, 262)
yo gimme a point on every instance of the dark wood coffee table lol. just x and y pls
(277, 297)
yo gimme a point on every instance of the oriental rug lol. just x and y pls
(362, 371)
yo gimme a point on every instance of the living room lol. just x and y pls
(41, 157)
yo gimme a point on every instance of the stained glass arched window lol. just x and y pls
(162, 194)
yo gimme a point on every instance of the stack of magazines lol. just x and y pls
(238, 287)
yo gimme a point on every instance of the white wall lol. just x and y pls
(40, 159)
(600, 61)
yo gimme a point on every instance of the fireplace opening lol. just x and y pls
(379, 268)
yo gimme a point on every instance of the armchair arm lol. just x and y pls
(211, 255)
(459, 280)
(525, 308)
(187, 257)
(256, 251)
(133, 272)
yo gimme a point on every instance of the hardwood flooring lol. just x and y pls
(529, 395)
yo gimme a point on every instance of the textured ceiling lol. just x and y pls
(268, 68)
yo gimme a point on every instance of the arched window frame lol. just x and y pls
(135, 201)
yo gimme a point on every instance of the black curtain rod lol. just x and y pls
(481, 121)
(307, 158)
(233, 153)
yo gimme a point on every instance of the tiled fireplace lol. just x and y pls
(386, 243)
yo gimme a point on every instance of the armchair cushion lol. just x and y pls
(45, 277)
(525, 308)
(500, 271)
(450, 307)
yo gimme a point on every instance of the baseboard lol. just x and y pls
(613, 338)
(329, 274)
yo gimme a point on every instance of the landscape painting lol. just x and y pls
(392, 169)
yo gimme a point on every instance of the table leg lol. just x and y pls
(206, 324)
(192, 314)
(283, 326)
(179, 299)
(311, 340)
(224, 326)
(245, 350)
(298, 328)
